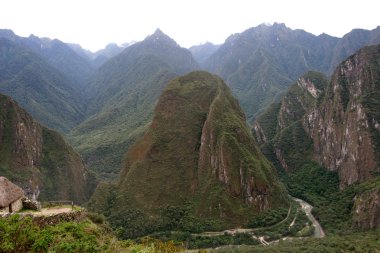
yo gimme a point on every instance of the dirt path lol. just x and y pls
(51, 211)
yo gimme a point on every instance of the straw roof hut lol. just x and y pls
(10, 196)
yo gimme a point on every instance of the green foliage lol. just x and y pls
(19, 234)
(320, 187)
(191, 241)
(355, 243)
(295, 145)
(312, 183)
(268, 218)
(96, 217)
(16, 234)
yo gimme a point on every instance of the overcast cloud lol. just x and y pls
(93, 24)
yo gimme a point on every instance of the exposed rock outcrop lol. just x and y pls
(343, 126)
(39, 159)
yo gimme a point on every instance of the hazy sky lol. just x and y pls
(93, 24)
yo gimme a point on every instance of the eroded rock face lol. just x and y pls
(340, 127)
(38, 159)
(366, 210)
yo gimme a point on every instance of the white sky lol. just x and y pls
(95, 23)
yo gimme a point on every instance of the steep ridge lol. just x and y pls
(59, 55)
(351, 42)
(39, 159)
(260, 63)
(41, 89)
(197, 155)
(123, 94)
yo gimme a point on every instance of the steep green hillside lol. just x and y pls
(39, 159)
(42, 90)
(122, 96)
(197, 161)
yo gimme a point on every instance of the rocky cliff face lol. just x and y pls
(198, 152)
(337, 126)
(38, 159)
(366, 209)
(342, 123)
(343, 126)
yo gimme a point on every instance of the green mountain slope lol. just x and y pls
(198, 158)
(260, 63)
(203, 51)
(122, 96)
(41, 89)
(39, 159)
(59, 55)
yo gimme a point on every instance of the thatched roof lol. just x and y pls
(9, 192)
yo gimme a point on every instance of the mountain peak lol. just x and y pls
(159, 37)
(158, 32)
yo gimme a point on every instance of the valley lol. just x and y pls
(268, 142)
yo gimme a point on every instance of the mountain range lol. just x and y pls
(173, 148)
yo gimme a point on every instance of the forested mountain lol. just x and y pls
(197, 156)
(203, 51)
(260, 63)
(121, 98)
(39, 159)
(58, 54)
(47, 94)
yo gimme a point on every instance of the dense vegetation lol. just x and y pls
(20, 234)
(320, 187)
(356, 243)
